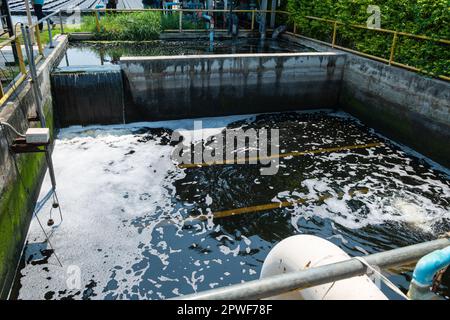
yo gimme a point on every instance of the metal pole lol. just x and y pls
(272, 14)
(61, 22)
(33, 73)
(97, 22)
(269, 287)
(253, 20)
(22, 67)
(262, 19)
(334, 34)
(180, 21)
(37, 96)
(394, 43)
(50, 34)
(30, 20)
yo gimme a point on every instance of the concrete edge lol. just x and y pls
(244, 55)
(86, 68)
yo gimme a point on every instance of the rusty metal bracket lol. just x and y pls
(20, 145)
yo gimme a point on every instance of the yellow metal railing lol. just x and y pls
(295, 30)
(20, 63)
(393, 47)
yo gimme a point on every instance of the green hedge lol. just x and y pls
(425, 17)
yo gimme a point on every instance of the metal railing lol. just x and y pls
(254, 13)
(21, 67)
(296, 31)
(394, 45)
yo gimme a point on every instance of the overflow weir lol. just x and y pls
(175, 87)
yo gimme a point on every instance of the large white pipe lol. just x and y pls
(302, 252)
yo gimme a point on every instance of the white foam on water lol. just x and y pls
(102, 188)
(404, 204)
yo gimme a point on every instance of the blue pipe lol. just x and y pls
(427, 267)
(211, 29)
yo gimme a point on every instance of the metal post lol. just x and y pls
(49, 27)
(61, 22)
(30, 20)
(253, 20)
(262, 20)
(273, 14)
(38, 39)
(307, 278)
(33, 73)
(394, 44)
(51, 169)
(37, 96)
(334, 34)
(22, 68)
(295, 28)
(180, 21)
(97, 22)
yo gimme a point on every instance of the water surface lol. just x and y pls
(126, 206)
(91, 53)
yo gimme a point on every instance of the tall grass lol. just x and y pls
(134, 26)
(137, 26)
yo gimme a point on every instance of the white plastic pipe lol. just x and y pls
(302, 252)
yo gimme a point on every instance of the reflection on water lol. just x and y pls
(126, 203)
(107, 53)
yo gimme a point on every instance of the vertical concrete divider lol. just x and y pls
(170, 87)
(88, 95)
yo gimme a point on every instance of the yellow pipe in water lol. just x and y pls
(273, 205)
(284, 155)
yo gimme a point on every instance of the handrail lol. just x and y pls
(411, 35)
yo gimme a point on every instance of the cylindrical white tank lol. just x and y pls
(305, 251)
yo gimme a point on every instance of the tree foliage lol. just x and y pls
(422, 17)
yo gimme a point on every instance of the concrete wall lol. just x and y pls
(21, 176)
(169, 87)
(88, 95)
(408, 107)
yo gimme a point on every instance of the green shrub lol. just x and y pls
(426, 17)
(136, 26)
